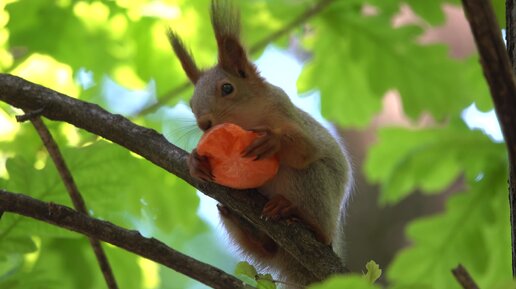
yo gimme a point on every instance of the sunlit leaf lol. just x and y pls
(428, 159)
(373, 271)
(359, 58)
(465, 233)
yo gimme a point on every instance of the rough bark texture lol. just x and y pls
(131, 241)
(295, 238)
(499, 74)
(511, 42)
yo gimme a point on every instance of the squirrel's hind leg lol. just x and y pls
(250, 239)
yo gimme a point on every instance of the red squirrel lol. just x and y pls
(312, 183)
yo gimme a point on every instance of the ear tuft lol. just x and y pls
(226, 25)
(184, 56)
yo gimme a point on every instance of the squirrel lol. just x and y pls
(313, 181)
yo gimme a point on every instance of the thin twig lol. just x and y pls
(260, 44)
(498, 72)
(464, 278)
(302, 18)
(131, 241)
(73, 191)
(295, 239)
(29, 115)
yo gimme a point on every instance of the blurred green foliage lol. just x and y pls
(354, 60)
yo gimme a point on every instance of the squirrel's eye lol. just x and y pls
(227, 89)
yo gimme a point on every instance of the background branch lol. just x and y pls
(73, 191)
(498, 72)
(302, 18)
(510, 11)
(296, 239)
(131, 241)
(463, 277)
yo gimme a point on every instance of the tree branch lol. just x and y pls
(511, 43)
(73, 191)
(131, 241)
(296, 239)
(302, 18)
(498, 72)
(463, 277)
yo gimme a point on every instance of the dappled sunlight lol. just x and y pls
(8, 127)
(94, 15)
(45, 70)
(150, 271)
(427, 151)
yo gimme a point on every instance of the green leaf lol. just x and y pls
(247, 273)
(265, 282)
(404, 160)
(71, 256)
(16, 245)
(75, 257)
(244, 268)
(131, 191)
(124, 264)
(372, 58)
(43, 184)
(347, 281)
(473, 230)
(507, 285)
(373, 271)
(430, 11)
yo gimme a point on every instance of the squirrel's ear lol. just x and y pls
(233, 59)
(226, 25)
(184, 56)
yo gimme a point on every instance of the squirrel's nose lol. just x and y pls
(204, 124)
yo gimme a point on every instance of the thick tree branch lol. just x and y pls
(463, 277)
(498, 72)
(511, 43)
(73, 191)
(131, 241)
(300, 19)
(510, 19)
(295, 238)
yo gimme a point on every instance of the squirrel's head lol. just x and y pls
(227, 92)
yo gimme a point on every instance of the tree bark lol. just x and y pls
(499, 75)
(296, 239)
(131, 241)
(510, 11)
(464, 278)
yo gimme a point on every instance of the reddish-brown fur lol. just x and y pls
(314, 176)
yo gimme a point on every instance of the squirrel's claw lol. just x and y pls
(199, 167)
(278, 208)
(267, 144)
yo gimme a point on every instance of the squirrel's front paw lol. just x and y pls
(278, 208)
(267, 144)
(199, 167)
